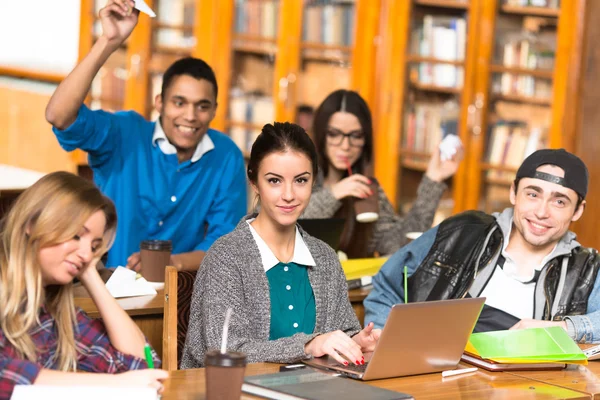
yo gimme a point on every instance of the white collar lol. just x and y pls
(301, 256)
(204, 146)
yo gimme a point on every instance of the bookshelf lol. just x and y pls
(499, 73)
(270, 56)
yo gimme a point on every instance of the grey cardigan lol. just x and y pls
(390, 229)
(232, 275)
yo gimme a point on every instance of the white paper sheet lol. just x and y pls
(36, 392)
(123, 283)
(143, 7)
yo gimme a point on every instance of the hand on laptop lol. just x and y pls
(367, 338)
(337, 345)
(527, 323)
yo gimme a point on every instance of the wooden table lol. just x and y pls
(190, 384)
(146, 312)
(585, 379)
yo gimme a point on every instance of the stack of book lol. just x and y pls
(442, 38)
(256, 17)
(330, 22)
(248, 113)
(509, 143)
(427, 123)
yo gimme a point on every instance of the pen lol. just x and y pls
(149, 360)
(458, 371)
(405, 284)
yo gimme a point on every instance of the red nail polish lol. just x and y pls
(357, 362)
(362, 362)
(345, 362)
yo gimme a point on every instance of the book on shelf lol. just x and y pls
(527, 52)
(509, 143)
(442, 38)
(329, 22)
(533, 3)
(249, 112)
(307, 383)
(427, 123)
(256, 17)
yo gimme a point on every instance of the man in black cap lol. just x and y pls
(524, 260)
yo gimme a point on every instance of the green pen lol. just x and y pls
(149, 360)
(405, 284)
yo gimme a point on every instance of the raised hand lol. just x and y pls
(118, 18)
(337, 345)
(438, 170)
(356, 185)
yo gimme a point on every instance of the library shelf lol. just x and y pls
(176, 27)
(242, 124)
(504, 168)
(513, 98)
(414, 165)
(28, 74)
(415, 58)
(434, 88)
(536, 73)
(530, 11)
(456, 4)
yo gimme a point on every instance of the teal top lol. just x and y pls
(292, 300)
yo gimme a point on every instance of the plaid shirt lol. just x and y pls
(95, 353)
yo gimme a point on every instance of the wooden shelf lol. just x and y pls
(531, 11)
(414, 165)
(485, 166)
(435, 89)
(414, 58)
(255, 48)
(326, 55)
(498, 181)
(117, 103)
(253, 38)
(162, 25)
(522, 99)
(184, 51)
(242, 124)
(323, 46)
(160, 62)
(459, 5)
(537, 73)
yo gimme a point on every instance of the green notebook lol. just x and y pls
(536, 345)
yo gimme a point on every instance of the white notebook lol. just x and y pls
(36, 392)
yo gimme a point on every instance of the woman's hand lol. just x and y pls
(118, 18)
(89, 274)
(438, 170)
(337, 345)
(356, 185)
(367, 338)
(142, 378)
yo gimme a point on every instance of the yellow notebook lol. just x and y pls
(360, 267)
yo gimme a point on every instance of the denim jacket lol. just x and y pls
(388, 288)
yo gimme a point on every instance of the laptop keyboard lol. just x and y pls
(356, 368)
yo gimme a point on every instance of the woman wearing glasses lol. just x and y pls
(343, 134)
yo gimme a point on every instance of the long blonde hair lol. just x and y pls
(50, 212)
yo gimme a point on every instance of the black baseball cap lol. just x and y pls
(576, 173)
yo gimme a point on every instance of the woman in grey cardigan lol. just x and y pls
(287, 289)
(343, 134)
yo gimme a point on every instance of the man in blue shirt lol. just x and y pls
(172, 179)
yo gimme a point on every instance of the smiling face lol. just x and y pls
(340, 154)
(186, 110)
(543, 210)
(284, 185)
(62, 262)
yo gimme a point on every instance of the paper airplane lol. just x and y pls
(143, 7)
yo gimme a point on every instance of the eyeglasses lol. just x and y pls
(336, 138)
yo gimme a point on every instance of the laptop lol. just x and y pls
(418, 338)
(328, 230)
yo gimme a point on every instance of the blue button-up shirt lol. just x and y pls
(191, 203)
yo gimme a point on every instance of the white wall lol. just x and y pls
(39, 35)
